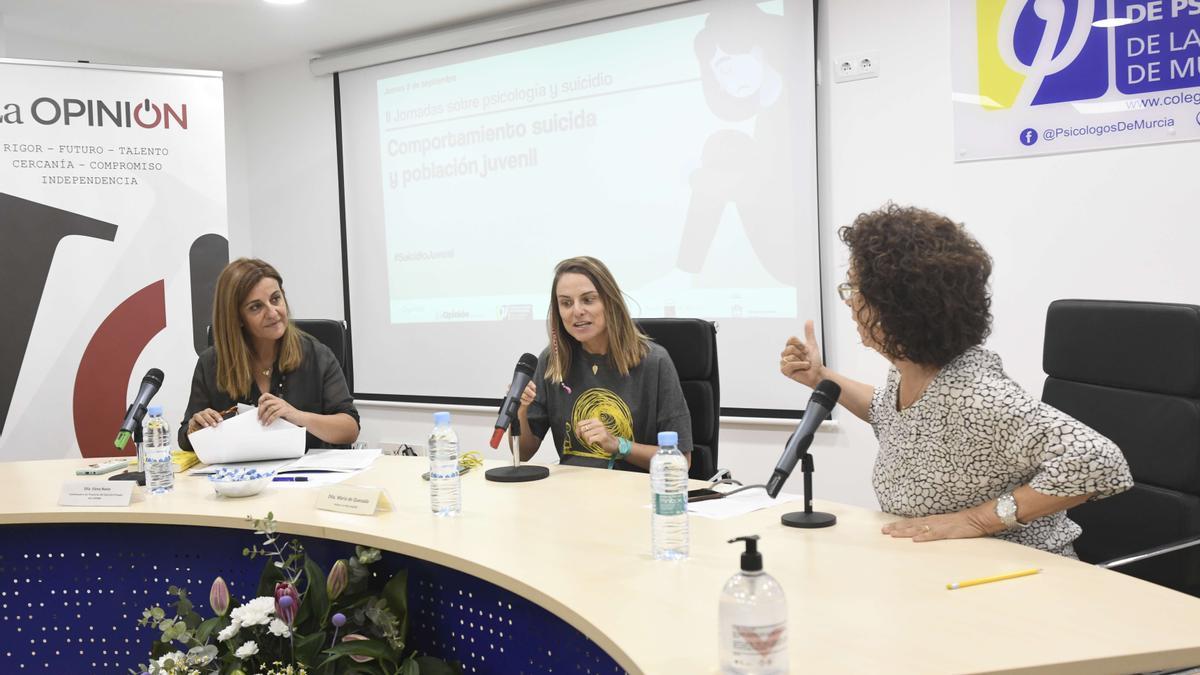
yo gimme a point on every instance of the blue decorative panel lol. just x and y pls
(71, 596)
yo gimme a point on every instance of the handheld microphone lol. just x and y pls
(823, 399)
(133, 416)
(508, 409)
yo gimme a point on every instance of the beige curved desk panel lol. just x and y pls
(578, 545)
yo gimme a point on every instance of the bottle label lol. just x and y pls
(759, 646)
(670, 505)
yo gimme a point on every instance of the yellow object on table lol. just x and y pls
(181, 460)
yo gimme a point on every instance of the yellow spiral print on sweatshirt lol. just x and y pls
(599, 404)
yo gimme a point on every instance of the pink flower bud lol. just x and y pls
(286, 611)
(355, 636)
(338, 577)
(218, 597)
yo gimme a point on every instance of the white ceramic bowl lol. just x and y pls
(240, 482)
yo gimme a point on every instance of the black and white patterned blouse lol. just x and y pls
(973, 435)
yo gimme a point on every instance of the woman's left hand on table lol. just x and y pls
(932, 528)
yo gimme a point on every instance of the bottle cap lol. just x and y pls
(668, 438)
(155, 410)
(440, 418)
(751, 558)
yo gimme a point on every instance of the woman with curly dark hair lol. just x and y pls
(963, 450)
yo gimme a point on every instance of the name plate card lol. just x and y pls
(364, 501)
(96, 493)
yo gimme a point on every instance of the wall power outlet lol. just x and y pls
(859, 66)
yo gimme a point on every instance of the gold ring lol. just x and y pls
(927, 528)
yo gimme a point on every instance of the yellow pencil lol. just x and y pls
(988, 580)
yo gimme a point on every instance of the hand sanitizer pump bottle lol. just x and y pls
(752, 619)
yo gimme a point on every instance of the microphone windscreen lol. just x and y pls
(527, 364)
(826, 393)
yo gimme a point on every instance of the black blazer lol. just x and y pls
(318, 385)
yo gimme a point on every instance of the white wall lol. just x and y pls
(291, 175)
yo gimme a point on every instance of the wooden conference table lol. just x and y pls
(577, 544)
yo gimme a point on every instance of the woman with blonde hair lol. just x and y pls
(602, 388)
(260, 358)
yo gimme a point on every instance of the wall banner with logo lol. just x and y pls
(1035, 77)
(112, 209)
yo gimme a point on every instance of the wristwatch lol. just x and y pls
(1006, 511)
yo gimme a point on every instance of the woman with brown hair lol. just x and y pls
(963, 450)
(602, 388)
(260, 358)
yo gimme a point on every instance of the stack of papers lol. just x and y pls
(340, 461)
(244, 439)
(317, 461)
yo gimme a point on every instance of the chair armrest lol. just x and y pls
(1186, 542)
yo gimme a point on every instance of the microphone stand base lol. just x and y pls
(516, 474)
(811, 519)
(139, 476)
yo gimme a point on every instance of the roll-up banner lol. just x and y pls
(112, 204)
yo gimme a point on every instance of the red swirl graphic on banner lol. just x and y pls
(102, 383)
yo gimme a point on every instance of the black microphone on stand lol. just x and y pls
(137, 410)
(507, 419)
(823, 399)
(522, 374)
(132, 424)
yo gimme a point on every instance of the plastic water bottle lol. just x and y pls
(156, 448)
(668, 499)
(445, 485)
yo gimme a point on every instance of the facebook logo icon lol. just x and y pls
(1029, 136)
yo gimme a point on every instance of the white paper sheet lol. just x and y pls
(739, 504)
(243, 438)
(316, 462)
(333, 460)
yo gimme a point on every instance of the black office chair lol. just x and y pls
(1131, 370)
(332, 334)
(692, 344)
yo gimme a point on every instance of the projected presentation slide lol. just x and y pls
(675, 144)
(671, 150)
